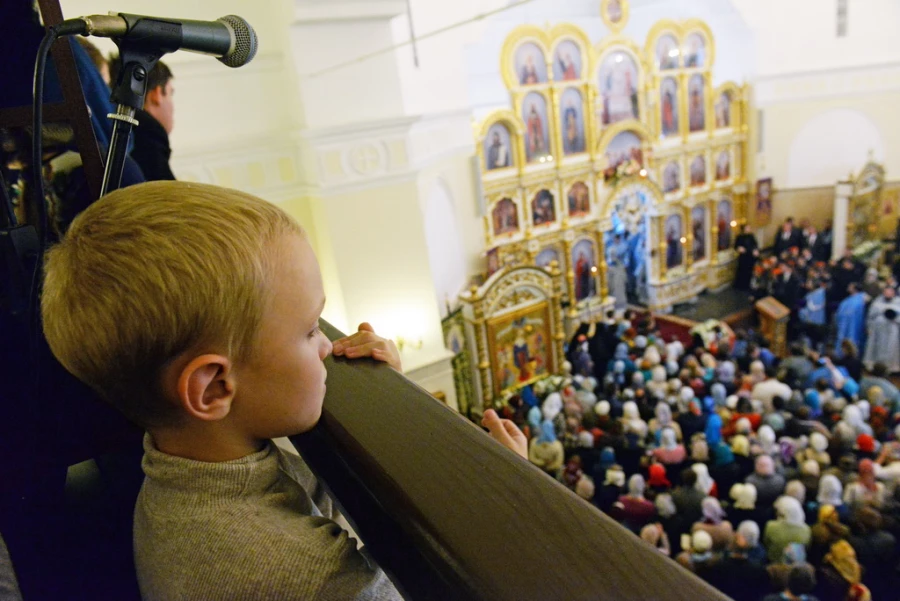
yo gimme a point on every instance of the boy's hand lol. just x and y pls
(366, 343)
(505, 432)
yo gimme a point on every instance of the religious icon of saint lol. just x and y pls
(498, 152)
(537, 144)
(529, 75)
(669, 108)
(723, 166)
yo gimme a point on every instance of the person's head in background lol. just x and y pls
(96, 57)
(159, 101)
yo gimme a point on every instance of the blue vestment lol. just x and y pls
(850, 320)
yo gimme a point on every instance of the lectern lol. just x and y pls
(773, 320)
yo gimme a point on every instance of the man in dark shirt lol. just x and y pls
(151, 136)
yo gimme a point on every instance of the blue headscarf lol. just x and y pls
(713, 430)
(529, 397)
(621, 353)
(607, 457)
(534, 418)
(548, 432)
(722, 455)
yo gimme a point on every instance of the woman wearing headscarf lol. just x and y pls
(705, 483)
(831, 492)
(840, 576)
(826, 531)
(663, 419)
(743, 505)
(866, 490)
(669, 452)
(789, 527)
(817, 450)
(766, 441)
(633, 509)
(657, 480)
(606, 460)
(700, 558)
(546, 451)
(612, 487)
(769, 485)
(715, 524)
(713, 430)
(632, 424)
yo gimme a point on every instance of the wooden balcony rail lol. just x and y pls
(450, 514)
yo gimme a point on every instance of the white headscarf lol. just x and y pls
(704, 480)
(830, 491)
(712, 510)
(853, 417)
(663, 414)
(665, 506)
(743, 426)
(767, 439)
(636, 486)
(668, 439)
(615, 476)
(750, 531)
(744, 496)
(552, 405)
(630, 411)
(865, 410)
(790, 511)
(818, 442)
(602, 408)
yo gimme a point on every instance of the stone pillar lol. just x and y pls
(842, 193)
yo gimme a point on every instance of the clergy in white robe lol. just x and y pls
(883, 326)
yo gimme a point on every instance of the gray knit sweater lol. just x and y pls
(256, 528)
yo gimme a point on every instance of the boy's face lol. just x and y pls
(279, 390)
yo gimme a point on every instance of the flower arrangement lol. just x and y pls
(867, 250)
(624, 169)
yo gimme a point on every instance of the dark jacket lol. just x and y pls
(151, 148)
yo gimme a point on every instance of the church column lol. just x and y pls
(842, 192)
(661, 258)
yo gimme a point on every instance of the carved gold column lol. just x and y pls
(601, 262)
(557, 317)
(484, 361)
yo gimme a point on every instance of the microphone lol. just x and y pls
(230, 39)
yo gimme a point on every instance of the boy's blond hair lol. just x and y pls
(151, 271)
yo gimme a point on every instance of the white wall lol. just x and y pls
(443, 237)
(797, 36)
(835, 141)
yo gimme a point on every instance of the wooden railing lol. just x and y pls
(450, 514)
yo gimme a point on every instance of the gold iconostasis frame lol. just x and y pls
(590, 123)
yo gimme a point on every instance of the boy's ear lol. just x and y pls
(206, 387)
(152, 96)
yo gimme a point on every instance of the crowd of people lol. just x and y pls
(769, 478)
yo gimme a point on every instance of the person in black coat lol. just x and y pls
(817, 245)
(155, 122)
(788, 237)
(748, 251)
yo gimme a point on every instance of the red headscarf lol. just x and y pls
(658, 476)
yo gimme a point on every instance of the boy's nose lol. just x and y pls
(326, 347)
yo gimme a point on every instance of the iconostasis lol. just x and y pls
(617, 163)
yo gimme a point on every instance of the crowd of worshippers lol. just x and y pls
(763, 477)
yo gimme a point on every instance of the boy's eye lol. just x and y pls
(315, 331)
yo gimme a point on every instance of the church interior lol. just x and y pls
(660, 236)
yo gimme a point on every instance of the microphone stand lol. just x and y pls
(137, 59)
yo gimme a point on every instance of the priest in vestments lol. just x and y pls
(850, 318)
(883, 322)
(812, 314)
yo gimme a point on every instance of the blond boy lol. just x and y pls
(194, 310)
